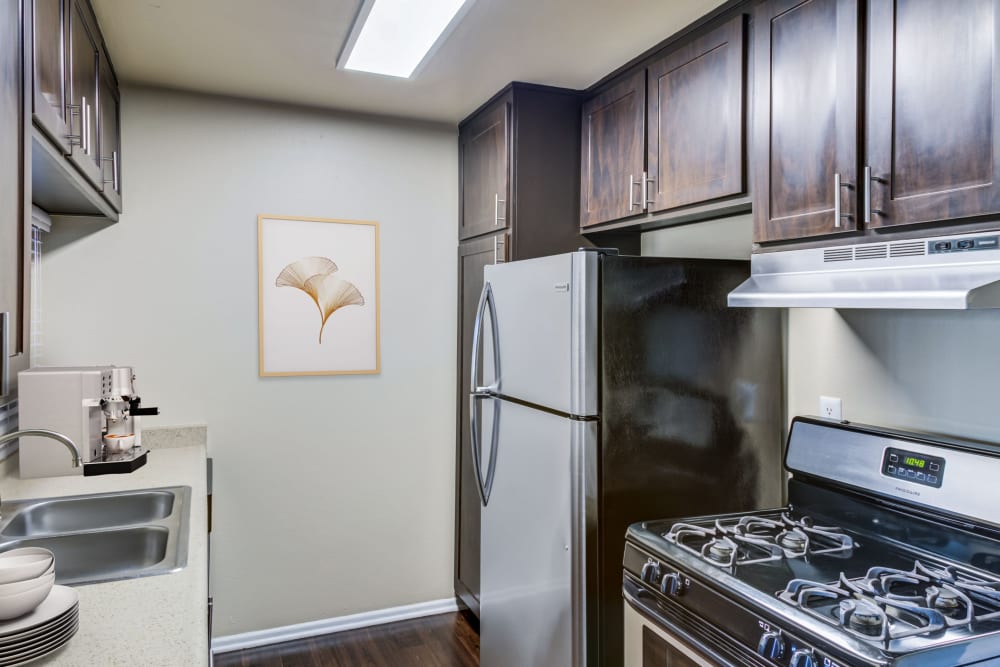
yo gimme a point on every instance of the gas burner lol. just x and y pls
(793, 540)
(863, 616)
(721, 551)
(948, 602)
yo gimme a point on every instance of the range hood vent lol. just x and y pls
(940, 273)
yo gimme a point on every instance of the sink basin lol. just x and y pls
(104, 537)
(105, 555)
(89, 513)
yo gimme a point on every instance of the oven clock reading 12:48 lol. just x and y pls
(913, 467)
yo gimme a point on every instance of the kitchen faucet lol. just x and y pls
(44, 433)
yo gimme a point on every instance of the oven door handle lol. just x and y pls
(645, 603)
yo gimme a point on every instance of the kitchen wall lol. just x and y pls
(333, 495)
(934, 371)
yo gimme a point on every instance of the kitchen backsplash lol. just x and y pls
(167, 437)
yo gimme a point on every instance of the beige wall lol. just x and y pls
(934, 371)
(333, 495)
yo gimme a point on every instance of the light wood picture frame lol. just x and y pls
(318, 296)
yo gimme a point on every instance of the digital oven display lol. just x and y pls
(913, 467)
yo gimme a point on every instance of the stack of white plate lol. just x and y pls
(36, 617)
(44, 630)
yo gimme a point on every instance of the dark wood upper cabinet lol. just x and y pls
(74, 106)
(805, 118)
(612, 161)
(49, 96)
(484, 158)
(697, 120)
(84, 49)
(109, 132)
(933, 130)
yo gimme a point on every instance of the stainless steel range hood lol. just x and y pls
(942, 273)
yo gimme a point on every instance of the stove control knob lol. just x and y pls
(771, 646)
(671, 584)
(650, 572)
(802, 658)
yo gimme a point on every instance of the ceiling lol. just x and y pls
(286, 50)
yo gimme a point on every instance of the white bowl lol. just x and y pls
(23, 564)
(18, 587)
(19, 604)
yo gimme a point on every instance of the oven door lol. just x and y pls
(651, 644)
(656, 636)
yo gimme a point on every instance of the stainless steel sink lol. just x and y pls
(104, 537)
(88, 513)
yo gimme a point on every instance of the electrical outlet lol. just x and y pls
(831, 407)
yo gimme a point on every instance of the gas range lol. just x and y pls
(859, 569)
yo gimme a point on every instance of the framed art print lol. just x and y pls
(318, 296)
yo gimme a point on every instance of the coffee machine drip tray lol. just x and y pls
(114, 464)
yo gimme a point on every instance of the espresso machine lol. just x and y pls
(97, 407)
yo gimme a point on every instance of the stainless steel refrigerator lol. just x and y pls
(607, 390)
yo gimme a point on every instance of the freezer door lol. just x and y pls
(532, 601)
(546, 322)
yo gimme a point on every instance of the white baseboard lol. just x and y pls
(328, 626)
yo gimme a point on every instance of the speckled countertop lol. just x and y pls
(151, 621)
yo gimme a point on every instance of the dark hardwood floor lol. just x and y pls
(447, 640)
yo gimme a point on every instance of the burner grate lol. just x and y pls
(754, 539)
(888, 604)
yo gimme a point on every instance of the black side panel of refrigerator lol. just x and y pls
(691, 406)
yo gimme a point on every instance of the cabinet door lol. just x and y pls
(933, 102)
(49, 67)
(473, 257)
(484, 154)
(613, 152)
(84, 58)
(697, 120)
(805, 118)
(109, 133)
(13, 198)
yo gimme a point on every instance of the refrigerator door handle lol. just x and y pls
(494, 443)
(486, 300)
(478, 393)
(485, 486)
(477, 465)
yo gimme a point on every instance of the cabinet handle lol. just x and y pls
(85, 125)
(114, 170)
(499, 249)
(837, 185)
(631, 189)
(74, 111)
(868, 194)
(497, 218)
(646, 180)
(869, 179)
(90, 143)
(4, 354)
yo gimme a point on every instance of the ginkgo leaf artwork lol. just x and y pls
(315, 276)
(328, 265)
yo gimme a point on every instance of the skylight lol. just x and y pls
(394, 37)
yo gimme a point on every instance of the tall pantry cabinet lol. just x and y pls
(518, 198)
